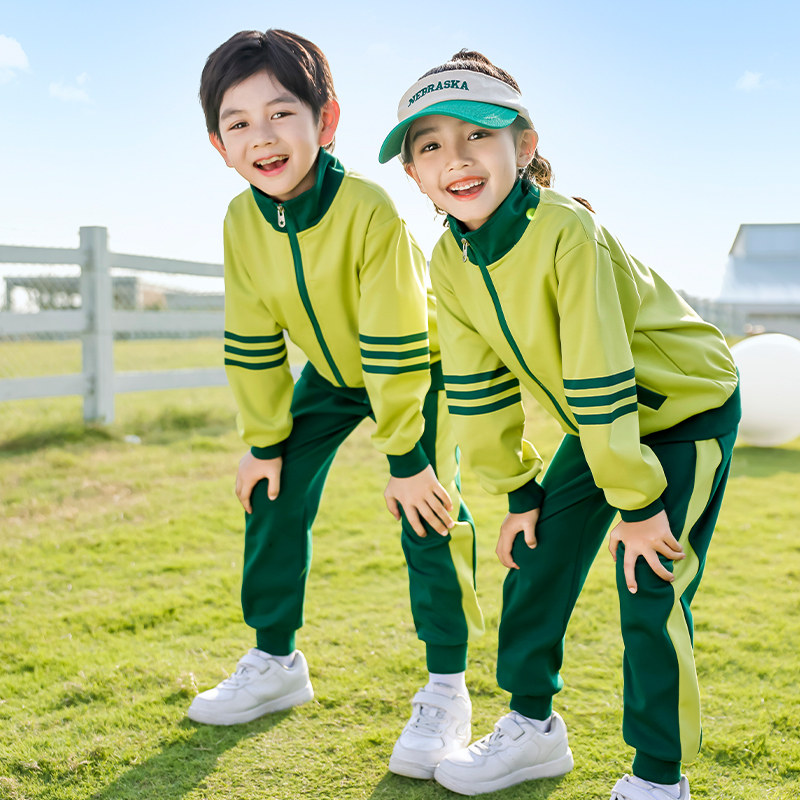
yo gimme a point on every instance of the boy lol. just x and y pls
(320, 252)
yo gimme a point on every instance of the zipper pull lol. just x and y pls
(464, 246)
(281, 217)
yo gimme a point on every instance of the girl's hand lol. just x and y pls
(251, 471)
(647, 538)
(512, 526)
(421, 495)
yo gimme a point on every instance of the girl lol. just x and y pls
(533, 291)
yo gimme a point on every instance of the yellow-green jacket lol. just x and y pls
(338, 270)
(544, 296)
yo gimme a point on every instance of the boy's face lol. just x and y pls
(270, 137)
(467, 170)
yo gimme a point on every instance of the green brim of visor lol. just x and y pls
(486, 115)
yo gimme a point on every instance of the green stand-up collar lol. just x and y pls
(503, 229)
(307, 209)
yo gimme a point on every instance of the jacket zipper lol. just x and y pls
(487, 279)
(301, 287)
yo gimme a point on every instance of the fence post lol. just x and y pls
(97, 298)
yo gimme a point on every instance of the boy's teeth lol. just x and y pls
(264, 161)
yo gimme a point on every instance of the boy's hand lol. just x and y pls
(647, 538)
(512, 526)
(421, 495)
(251, 471)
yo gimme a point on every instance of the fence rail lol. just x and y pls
(97, 321)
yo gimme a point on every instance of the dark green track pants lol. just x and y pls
(277, 552)
(661, 697)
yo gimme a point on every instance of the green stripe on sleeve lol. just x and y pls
(387, 340)
(606, 419)
(470, 411)
(476, 377)
(229, 362)
(254, 339)
(255, 353)
(599, 383)
(399, 370)
(477, 394)
(394, 355)
(602, 399)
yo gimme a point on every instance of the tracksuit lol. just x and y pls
(337, 270)
(542, 296)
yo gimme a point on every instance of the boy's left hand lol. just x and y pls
(647, 538)
(422, 497)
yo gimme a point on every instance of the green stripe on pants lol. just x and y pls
(278, 547)
(662, 715)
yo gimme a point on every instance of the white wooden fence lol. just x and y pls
(97, 321)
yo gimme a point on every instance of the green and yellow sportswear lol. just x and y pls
(543, 296)
(338, 270)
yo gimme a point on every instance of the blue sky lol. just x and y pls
(678, 121)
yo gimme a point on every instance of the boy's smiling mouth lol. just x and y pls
(468, 187)
(270, 165)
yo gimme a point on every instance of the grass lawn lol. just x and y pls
(119, 582)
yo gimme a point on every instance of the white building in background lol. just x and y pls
(761, 286)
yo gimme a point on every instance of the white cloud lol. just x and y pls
(12, 58)
(71, 94)
(750, 81)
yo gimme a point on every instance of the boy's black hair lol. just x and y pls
(297, 64)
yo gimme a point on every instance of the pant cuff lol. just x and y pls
(446, 658)
(533, 707)
(655, 770)
(276, 643)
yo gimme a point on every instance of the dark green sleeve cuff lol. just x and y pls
(412, 463)
(265, 453)
(526, 498)
(639, 514)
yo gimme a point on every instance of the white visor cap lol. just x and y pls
(461, 93)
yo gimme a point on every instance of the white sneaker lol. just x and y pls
(514, 753)
(625, 789)
(440, 724)
(259, 686)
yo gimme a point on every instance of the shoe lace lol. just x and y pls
(427, 720)
(239, 677)
(490, 743)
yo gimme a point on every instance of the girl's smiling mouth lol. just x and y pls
(466, 188)
(271, 165)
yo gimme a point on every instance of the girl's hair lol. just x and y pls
(539, 170)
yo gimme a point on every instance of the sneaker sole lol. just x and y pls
(552, 769)
(209, 717)
(410, 770)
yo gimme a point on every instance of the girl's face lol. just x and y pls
(467, 170)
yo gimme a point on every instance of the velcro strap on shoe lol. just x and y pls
(510, 727)
(249, 660)
(440, 701)
(625, 790)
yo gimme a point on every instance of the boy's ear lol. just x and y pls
(219, 147)
(411, 170)
(329, 122)
(526, 147)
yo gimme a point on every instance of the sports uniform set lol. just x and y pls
(646, 393)
(356, 304)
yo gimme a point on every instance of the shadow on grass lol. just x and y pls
(761, 462)
(171, 424)
(395, 787)
(57, 436)
(184, 763)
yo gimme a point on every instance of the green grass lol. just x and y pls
(119, 583)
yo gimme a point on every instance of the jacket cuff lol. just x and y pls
(265, 453)
(528, 497)
(640, 514)
(411, 463)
